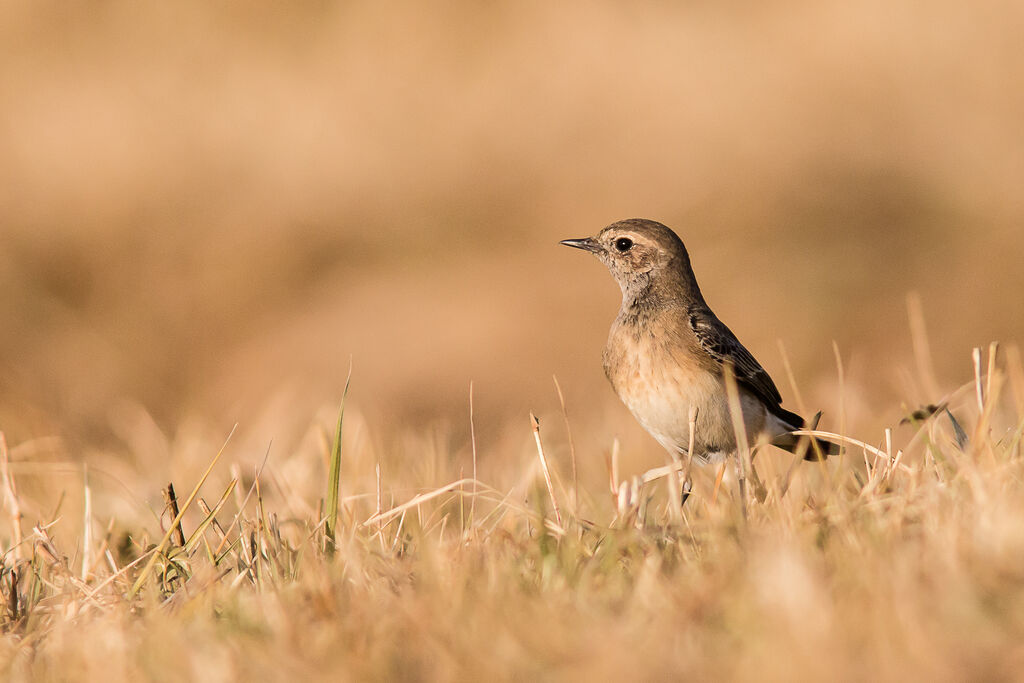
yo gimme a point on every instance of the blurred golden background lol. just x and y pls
(207, 208)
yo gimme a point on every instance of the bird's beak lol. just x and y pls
(585, 243)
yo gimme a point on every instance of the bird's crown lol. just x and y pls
(640, 234)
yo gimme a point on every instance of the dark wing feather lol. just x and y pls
(722, 345)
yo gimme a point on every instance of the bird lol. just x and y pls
(667, 352)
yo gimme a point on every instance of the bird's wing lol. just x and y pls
(722, 345)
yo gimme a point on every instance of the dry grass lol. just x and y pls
(899, 558)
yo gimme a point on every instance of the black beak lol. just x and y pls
(585, 243)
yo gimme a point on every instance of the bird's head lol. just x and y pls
(640, 252)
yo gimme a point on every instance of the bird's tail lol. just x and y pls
(816, 449)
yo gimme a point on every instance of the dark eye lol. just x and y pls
(623, 244)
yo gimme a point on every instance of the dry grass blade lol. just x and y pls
(535, 423)
(841, 377)
(839, 438)
(86, 523)
(993, 352)
(979, 392)
(210, 517)
(797, 395)
(1015, 368)
(688, 478)
(922, 348)
(11, 496)
(613, 468)
(739, 428)
(472, 443)
(572, 446)
(425, 497)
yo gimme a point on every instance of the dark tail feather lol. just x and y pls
(817, 449)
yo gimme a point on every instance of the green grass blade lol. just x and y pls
(334, 478)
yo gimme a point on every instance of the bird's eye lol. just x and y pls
(623, 244)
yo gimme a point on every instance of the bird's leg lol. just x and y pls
(741, 480)
(675, 502)
(687, 490)
(760, 490)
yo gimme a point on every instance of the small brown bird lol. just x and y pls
(667, 351)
